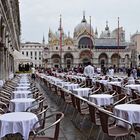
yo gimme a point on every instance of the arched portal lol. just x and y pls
(85, 61)
(115, 60)
(56, 60)
(85, 56)
(68, 60)
(103, 60)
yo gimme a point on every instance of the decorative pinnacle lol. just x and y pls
(84, 18)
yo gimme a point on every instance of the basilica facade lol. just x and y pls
(107, 49)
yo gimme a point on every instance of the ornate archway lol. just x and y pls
(85, 42)
(103, 59)
(115, 60)
(85, 56)
(56, 60)
(68, 60)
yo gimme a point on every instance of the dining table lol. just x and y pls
(20, 104)
(14, 122)
(62, 83)
(83, 92)
(132, 86)
(116, 83)
(129, 112)
(101, 99)
(71, 86)
(21, 94)
(22, 88)
(23, 84)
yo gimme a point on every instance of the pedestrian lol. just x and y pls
(138, 72)
(134, 73)
(33, 73)
(111, 71)
(104, 70)
(129, 70)
(89, 73)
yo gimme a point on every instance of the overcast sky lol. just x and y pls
(37, 16)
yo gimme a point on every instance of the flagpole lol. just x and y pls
(60, 41)
(90, 37)
(118, 41)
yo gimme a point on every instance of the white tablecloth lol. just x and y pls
(132, 86)
(116, 83)
(21, 122)
(105, 82)
(20, 104)
(24, 79)
(71, 86)
(20, 94)
(53, 80)
(83, 92)
(62, 83)
(23, 84)
(101, 99)
(22, 87)
(129, 112)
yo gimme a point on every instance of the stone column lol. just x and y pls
(11, 66)
(6, 64)
(2, 71)
(109, 61)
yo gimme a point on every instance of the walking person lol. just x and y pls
(134, 73)
(33, 73)
(89, 73)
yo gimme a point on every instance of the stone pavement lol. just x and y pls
(69, 131)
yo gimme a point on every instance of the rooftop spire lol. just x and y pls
(96, 31)
(68, 34)
(43, 40)
(106, 28)
(84, 18)
(60, 23)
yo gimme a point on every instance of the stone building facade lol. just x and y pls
(107, 49)
(34, 51)
(9, 37)
(135, 49)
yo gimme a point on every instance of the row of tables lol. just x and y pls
(129, 112)
(99, 99)
(19, 120)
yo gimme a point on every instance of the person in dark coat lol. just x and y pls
(129, 72)
(138, 71)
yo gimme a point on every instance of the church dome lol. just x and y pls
(83, 27)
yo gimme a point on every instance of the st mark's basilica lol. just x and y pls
(106, 49)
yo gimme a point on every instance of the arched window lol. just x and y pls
(86, 42)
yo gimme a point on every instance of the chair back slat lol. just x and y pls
(92, 112)
(104, 121)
